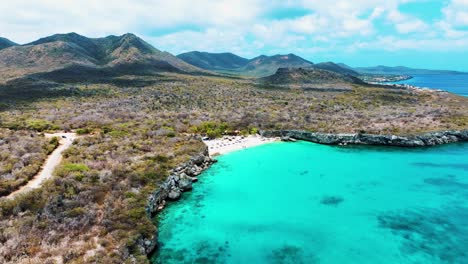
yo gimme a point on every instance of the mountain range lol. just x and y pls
(72, 57)
(263, 66)
(125, 54)
(260, 66)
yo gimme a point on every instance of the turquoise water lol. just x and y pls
(308, 203)
(455, 83)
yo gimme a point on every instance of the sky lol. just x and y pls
(416, 33)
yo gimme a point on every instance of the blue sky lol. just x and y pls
(416, 33)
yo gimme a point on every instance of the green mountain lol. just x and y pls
(213, 61)
(6, 43)
(127, 53)
(342, 65)
(310, 78)
(260, 66)
(342, 69)
(400, 70)
(267, 65)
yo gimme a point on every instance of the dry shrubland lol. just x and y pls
(93, 210)
(22, 154)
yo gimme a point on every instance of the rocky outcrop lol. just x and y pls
(288, 139)
(179, 181)
(426, 139)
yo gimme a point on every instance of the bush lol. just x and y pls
(211, 129)
(76, 169)
(70, 167)
(40, 125)
(118, 133)
(53, 144)
(83, 131)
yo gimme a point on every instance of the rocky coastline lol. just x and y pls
(421, 140)
(182, 177)
(180, 180)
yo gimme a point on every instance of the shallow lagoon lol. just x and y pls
(308, 203)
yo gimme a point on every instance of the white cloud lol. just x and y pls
(212, 39)
(395, 43)
(405, 24)
(411, 26)
(26, 20)
(456, 13)
(449, 32)
(240, 26)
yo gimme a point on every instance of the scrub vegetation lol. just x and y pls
(140, 112)
(137, 128)
(22, 154)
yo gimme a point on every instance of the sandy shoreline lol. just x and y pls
(228, 144)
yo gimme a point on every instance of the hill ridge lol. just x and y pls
(6, 43)
(311, 78)
(60, 51)
(334, 67)
(213, 61)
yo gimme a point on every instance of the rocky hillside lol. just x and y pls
(6, 43)
(267, 65)
(62, 51)
(310, 78)
(214, 61)
(260, 66)
(330, 66)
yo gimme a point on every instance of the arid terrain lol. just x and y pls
(136, 126)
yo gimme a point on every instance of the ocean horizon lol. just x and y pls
(454, 83)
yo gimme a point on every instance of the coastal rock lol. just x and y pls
(185, 184)
(427, 139)
(179, 181)
(194, 170)
(148, 245)
(287, 139)
(198, 160)
(174, 194)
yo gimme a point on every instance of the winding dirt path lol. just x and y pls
(52, 161)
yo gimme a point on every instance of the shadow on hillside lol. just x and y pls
(123, 76)
(20, 93)
(117, 75)
(78, 81)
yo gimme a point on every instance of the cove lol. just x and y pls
(308, 203)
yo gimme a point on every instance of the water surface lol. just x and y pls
(454, 83)
(308, 203)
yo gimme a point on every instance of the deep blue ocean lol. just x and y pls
(454, 83)
(308, 203)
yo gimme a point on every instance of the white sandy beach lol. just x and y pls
(228, 144)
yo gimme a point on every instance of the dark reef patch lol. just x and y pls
(203, 252)
(459, 166)
(448, 185)
(290, 255)
(331, 200)
(446, 182)
(440, 235)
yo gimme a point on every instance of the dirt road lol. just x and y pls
(52, 161)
